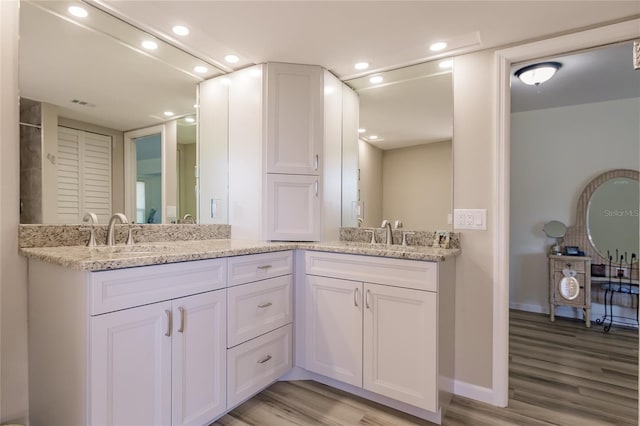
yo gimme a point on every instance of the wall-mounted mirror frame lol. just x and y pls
(129, 89)
(579, 234)
(406, 172)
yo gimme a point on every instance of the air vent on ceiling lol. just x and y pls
(83, 103)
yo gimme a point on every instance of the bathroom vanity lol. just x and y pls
(186, 341)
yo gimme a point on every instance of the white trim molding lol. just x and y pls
(615, 33)
(475, 392)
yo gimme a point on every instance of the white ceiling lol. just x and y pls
(334, 34)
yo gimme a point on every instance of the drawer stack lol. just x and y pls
(259, 326)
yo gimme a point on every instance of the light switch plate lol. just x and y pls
(470, 219)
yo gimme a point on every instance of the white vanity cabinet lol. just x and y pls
(260, 329)
(141, 345)
(378, 324)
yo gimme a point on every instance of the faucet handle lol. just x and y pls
(373, 235)
(398, 224)
(404, 237)
(130, 234)
(92, 236)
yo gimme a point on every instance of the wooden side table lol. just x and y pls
(570, 284)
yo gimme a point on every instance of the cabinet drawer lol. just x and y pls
(126, 288)
(578, 266)
(257, 308)
(254, 267)
(414, 274)
(256, 364)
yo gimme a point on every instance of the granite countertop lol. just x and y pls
(121, 256)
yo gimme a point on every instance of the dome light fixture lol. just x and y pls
(376, 79)
(180, 30)
(361, 65)
(78, 11)
(536, 74)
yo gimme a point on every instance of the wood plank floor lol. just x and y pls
(560, 374)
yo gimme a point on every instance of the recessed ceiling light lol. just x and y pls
(200, 69)
(376, 79)
(232, 59)
(362, 130)
(168, 114)
(190, 120)
(446, 64)
(373, 137)
(361, 65)
(436, 47)
(78, 11)
(150, 45)
(180, 30)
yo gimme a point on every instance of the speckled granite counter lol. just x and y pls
(122, 256)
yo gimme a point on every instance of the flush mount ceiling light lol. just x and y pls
(200, 69)
(180, 30)
(150, 45)
(361, 65)
(436, 47)
(536, 74)
(376, 79)
(232, 59)
(168, 114)
(78, 11)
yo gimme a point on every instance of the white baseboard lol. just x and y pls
(476, 392)
(597, 311)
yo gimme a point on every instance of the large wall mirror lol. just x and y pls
(404, 152)
(92, 75)
(607, 217)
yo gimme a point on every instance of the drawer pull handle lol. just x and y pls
(366, 299)
(265, 359)
(265, 305)
(356, 293)
(169, 323)
(181, 329)
(264, 267)
(317, 160)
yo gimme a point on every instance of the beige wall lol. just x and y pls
(187, 180)
(13, 275)
(473, 173)
(417, 185)
(370, 183)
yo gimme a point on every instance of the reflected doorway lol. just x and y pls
(144, 175)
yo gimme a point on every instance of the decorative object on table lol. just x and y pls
(556, 230)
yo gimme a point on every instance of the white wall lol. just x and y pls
(417, 185)
(555, 153)
(13, 275)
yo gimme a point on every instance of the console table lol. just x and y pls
(570, 284)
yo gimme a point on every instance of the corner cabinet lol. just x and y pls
(284, 150)
(382, 325)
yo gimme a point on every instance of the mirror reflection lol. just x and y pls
(92, 75)
(404, 150)
(612, 217)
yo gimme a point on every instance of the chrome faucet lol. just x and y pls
(110, 229)
(387, 225)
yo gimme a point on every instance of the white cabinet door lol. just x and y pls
(293, 208)
(294, 121)
(400, 344)
(199, 358)
(130, 365)
(333, 341)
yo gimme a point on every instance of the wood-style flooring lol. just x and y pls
(560, 373)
